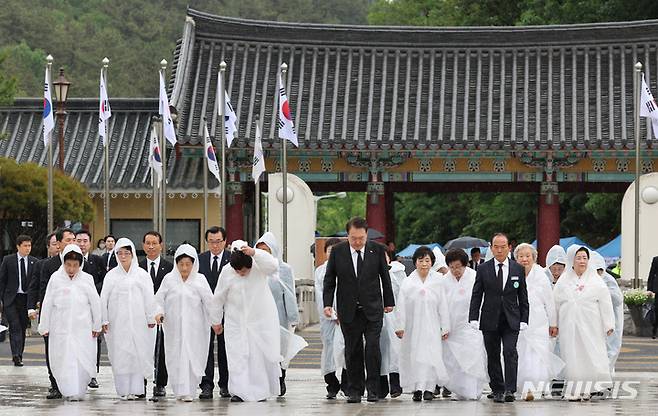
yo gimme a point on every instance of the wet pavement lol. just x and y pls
(23, 391)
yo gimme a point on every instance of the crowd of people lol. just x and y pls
(447, 329)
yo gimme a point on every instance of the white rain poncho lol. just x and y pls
(614, 340)
(389, 343)
(251, 328)
(189, 312)
(555, 255)
(128, 308)
(282, 286)
(440, 261)
(537, 362)
(329, 328)
(71, 310)
(585, 315)
(424, 318)
(464, 354)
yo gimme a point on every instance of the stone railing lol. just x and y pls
(308, 313)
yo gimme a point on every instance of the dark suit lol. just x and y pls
(164, 268)
(15, 304)
(502, 312)
(48, 267)
(360, 308)
(109, 261)
(93, 265)
(652, 285)
(208, 380)
(473, 265)
(33, 289)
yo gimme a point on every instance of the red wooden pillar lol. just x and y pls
(548, 220)
(234, 212)
(376, 208)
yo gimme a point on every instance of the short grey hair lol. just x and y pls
(524, 246)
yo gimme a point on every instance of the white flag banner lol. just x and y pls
(155, 158)
(286, 126)
(258, 166)
(104, 111)
(230, 118)
(211, 158)
(167, 122)
(48, 119)
(648, 107)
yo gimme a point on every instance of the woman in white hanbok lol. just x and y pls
(423, 325)
(128, 309)
(251, 325)
(613, 343)
(556, 260)
(329, 329)
(464, 354)
(585, 320)
(185, 304)
(71, 319)
(538, 365)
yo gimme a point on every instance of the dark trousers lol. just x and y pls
(333, 385)
(354, 332)
(162, 376)
(208, 380)
(492, 341)
(98, 353)
(17, 321)
(53, 382)
(386, 387)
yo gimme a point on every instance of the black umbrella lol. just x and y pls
(465, 242)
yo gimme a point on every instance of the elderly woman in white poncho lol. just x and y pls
(556, 260)
(185, 304)
(538, 365)
(251, 325)
(585, 320)
(613, 343)
(423, 325)
(71, 319)
(128, 308)
(282, 285)
(464, 354)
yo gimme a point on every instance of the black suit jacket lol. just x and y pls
(512, 301)
(35, 284)
(9, 277)
(164, 268)
(112, 261)
(49, 267)
(205, 264)
(96, 268)
(366, 290)
(652, 282)
(471, 264)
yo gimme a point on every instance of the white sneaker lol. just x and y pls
(123, 398)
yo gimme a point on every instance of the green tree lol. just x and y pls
(333, 214)
(23, 197)
(8, 84)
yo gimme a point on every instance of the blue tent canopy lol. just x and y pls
(612, 249)
(411, 248)
(568, 241)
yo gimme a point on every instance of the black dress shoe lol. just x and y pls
(428, 396)
(206, 394)
(418, 396)
(498, 398)
(490, 396)
(236, 399)
(354, 399)
(331, 395)
(223, 393)
(437, 391)
(509, 397)
(396, 393)
(141, 396)
(93, 384)
(372, 397)
(159, 391)
(446, 393)
(54, 394)
(17, 361)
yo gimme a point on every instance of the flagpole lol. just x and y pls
(163, 146)
(205, 186)
(257, 199)
(638, 97)
(284, 178)
(222, 138)
(154, 180)
(106, 151)
(51, 216)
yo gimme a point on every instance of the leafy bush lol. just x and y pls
(637, 297)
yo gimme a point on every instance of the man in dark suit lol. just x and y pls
(157, 267)
(476, 258)
(93, 265)
(16, 272)
(504, 313)
(109, 259)
(33, 301)
(211, 263)
(64, 237)
(652, 286)
(358, 273)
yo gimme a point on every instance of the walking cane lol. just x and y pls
(158, 347)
